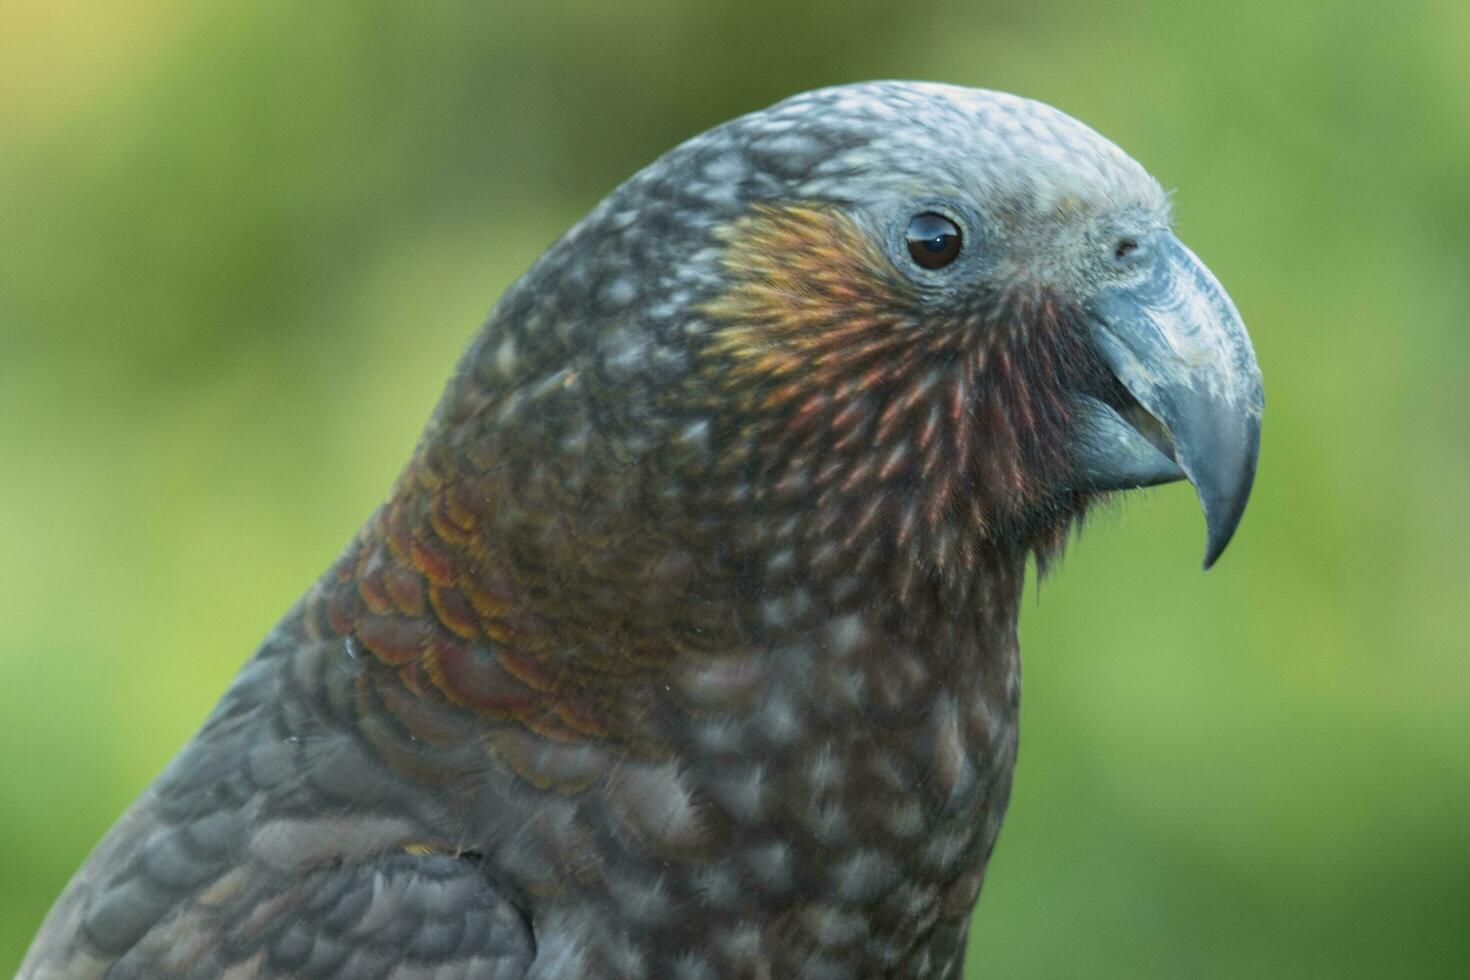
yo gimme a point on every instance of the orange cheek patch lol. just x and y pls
(878, 408)
(810, 292)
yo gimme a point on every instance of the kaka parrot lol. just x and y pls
(685, 645)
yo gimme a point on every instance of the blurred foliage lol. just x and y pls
(241, 244)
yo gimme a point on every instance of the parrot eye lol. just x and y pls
(934, 241)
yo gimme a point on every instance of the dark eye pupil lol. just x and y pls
(934, 241)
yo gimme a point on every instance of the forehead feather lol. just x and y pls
(1011, 150)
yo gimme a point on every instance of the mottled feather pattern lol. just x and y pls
(779, 752)
(896, 427)
(685, 645)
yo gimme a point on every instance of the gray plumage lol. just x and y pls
(686, 644)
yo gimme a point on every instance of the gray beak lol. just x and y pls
(1175, 341)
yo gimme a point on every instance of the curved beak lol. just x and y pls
(1175, 342)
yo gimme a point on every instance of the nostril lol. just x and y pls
(1124, 248)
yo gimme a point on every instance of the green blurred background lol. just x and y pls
(242, 244)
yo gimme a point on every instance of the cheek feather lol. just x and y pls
(876, 415)
(808, 296)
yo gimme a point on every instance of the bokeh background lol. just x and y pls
(241, 245)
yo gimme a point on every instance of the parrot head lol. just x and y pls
(879, 328)
(966, 314)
